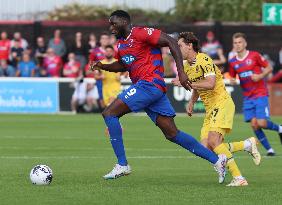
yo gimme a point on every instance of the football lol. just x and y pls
(41, 175)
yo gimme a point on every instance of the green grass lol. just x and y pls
(79, 153)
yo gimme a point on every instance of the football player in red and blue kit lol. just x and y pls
(98, 54)
(139, 54)
(252, 68)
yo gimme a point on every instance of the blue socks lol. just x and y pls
(188, 142)
(262, 138)
(115, 131)
(272, 126)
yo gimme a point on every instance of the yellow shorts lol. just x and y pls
(219, 118)
(110, 93)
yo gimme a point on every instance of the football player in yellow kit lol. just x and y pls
(207, 83)
(111, 80)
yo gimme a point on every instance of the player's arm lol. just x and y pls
(193, 100)
(262, 62)
(208, 83)
(208, 68)
(232, 74)
(257, 77)
(113, 67)
(167, 41)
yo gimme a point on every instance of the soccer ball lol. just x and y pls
(41, 175)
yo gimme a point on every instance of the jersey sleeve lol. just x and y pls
(148, 35)
(208, 66)
(231, 70)
(261, 60)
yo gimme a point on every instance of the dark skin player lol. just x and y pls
(121, 28)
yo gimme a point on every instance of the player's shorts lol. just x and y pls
(99, 85)
(145, 96)
(219, 118)
(256, 108)
(110, 92)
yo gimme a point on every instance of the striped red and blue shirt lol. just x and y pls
(252, 63)
(141, 56)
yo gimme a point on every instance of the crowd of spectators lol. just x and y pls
(48, 58)
(51, 58)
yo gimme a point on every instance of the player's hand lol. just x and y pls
(233, 81)
(189, 108)
(176, 82)
(184, 81)
(95, 65)
(256, 77)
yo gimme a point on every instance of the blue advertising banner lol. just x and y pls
(29, 96)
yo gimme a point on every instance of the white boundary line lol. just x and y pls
(132, 157)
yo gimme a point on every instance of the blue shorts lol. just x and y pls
(99, 85)
(145, 96)
(256, 108)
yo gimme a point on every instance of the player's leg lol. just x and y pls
(249, 145)
(170, 131)
(111, 116)
(215, 141)
(249, 110)
(133, 99)
(261, 137)
(263, 117)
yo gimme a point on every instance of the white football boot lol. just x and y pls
(220, 167)
(253, 150)
(238, 181)
(118, 171)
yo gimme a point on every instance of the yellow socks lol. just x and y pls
(231, 164)
(235, 146)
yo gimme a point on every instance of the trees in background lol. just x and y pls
(185, 11)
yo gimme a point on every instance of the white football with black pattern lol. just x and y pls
(41, 175)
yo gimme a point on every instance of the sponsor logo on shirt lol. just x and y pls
(246, 74)
(128, 59)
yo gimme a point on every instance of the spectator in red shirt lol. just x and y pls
(71, 68)
(4, 46)
(52, 64)
(18, 37)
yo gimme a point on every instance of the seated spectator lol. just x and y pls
(5, 44)
(58, 44)
(79, 49)
(52, 64)
(26, 67)
(16, 53)
(22, 42)
(213, 48)
(72, 67)
(85, 96)
(92, 43)
(6, 70)
(40, 51)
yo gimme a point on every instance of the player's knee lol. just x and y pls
(213, 140)
(106, 112)
(262, 123)
(254, 124)
(170, 133)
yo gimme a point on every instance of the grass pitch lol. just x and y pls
(79, 153)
